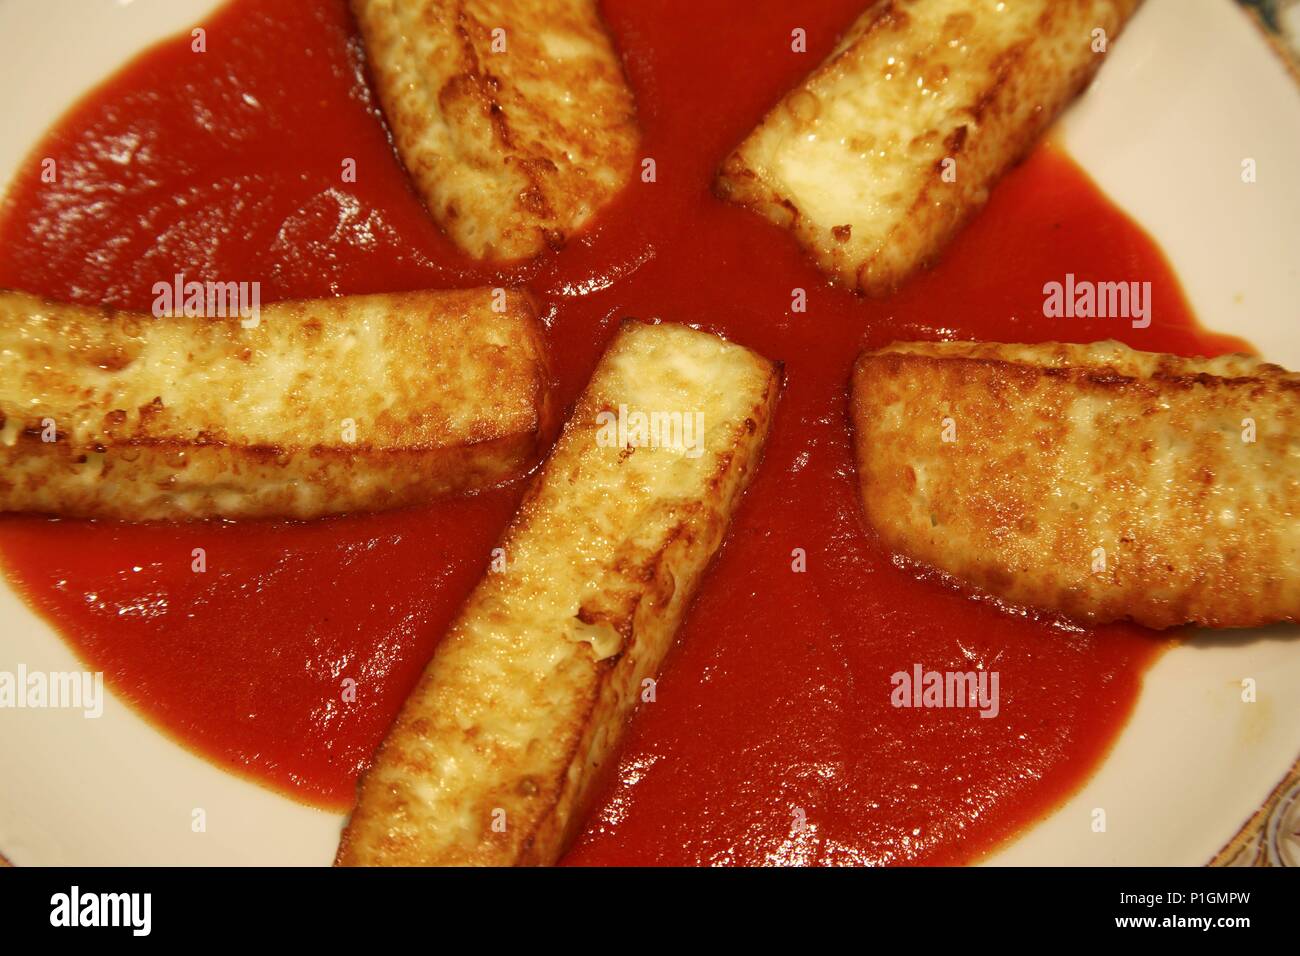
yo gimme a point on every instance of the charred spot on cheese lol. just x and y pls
(879, 156)
(1090, 480)
(494, 755)
(351, 404)
(514, 119)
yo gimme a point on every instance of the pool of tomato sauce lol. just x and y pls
(774, 705)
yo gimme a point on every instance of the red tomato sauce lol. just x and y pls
(774, 707)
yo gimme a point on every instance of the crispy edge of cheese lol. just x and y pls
(1064, 449)
(526, 698)
(182, 418)
(852, 160)
(512, 152)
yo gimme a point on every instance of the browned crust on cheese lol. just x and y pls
(511, 152)
(465, 404)
(582, 701)
(1019, 93)
(1063, 449)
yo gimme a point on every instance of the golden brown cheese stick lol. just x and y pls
(513, 117)
(329, 406)
(878, 158)
(495, 755)
(1092, 480)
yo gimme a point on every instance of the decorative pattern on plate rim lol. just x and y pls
(1271, 837)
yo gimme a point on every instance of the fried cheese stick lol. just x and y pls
(1091, 480)
(495, 755)
(877, 159)
(513, 117)
(328, 406)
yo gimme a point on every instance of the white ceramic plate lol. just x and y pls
(1190, 91)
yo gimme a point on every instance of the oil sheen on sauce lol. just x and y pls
(774, 705)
